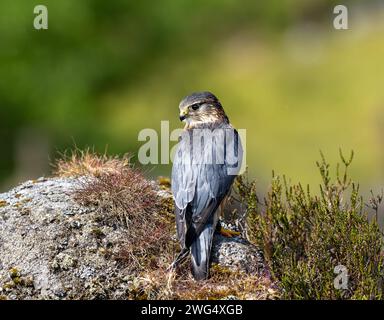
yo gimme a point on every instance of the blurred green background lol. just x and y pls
(104, 70)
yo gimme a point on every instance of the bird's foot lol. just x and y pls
(179, 259)
(228, 233)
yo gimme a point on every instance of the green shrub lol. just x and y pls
(305, 236)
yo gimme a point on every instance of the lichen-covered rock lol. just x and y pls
(236, 254)
(53, 248)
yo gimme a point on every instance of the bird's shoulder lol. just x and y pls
(211, 126)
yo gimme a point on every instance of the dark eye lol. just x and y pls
(195, 106)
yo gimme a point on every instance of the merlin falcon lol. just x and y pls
(207, 160)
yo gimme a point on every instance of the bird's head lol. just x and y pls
(201, 107)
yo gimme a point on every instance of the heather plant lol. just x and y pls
(121, 195)
(87, 162)
(305, 236)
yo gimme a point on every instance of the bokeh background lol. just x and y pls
(104, 70)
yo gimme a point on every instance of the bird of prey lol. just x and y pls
(207, 160)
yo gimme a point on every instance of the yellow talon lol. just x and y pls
(229, 233)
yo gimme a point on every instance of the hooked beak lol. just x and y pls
(183, 114)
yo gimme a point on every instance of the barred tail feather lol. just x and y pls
(200, 252)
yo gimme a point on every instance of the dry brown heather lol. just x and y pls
(86, 162)
(121, 193)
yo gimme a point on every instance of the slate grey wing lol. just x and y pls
(183, 186)
(198, 187)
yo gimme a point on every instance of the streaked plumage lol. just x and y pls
(199, 186)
